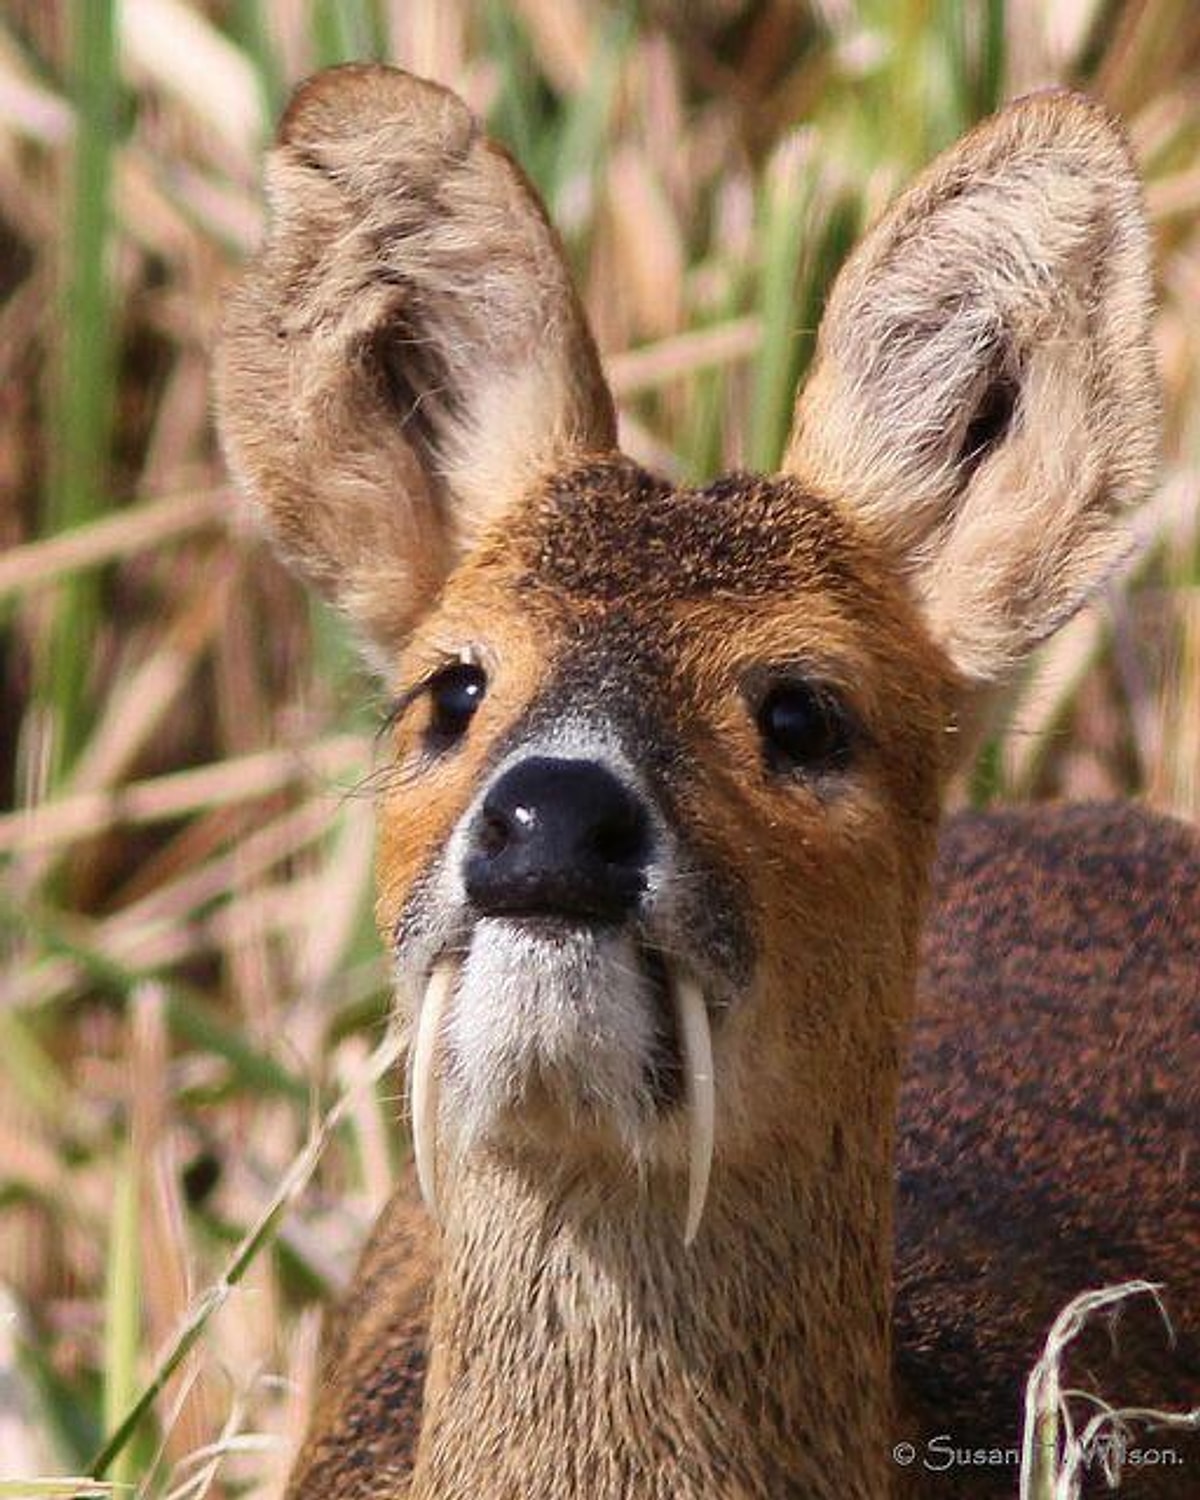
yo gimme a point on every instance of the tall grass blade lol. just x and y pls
(82, 405)
(787, 199)
(122, 1311)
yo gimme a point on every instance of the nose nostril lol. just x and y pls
(621, 838)
(494, 834)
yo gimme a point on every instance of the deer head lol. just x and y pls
(669, 762)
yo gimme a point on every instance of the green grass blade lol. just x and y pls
(122, 1310)
(68, 1404)
(31, 1073)
(786, 201)
(249, 28)
(519, 112)
(346, 31)
(583, 137)
(82, 398)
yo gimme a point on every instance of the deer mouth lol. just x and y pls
(686, 1080)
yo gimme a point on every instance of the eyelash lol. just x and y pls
(400, 705)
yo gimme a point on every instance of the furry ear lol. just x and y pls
(984, 393)
(407, 354)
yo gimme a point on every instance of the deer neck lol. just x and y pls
(579, 1349)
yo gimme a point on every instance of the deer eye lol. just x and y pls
(804, 727)
(454, 695)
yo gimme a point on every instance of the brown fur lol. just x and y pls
(411, 395)
(1050, 1118)
(1011, 1199)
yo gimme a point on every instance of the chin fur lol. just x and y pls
(550, 1027)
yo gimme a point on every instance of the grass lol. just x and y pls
(81, 407)
(1068, 1431)
(190, 972)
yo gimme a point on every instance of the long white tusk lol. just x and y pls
(423, 1082)
(695, 1036)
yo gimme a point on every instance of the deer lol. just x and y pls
(762, 1116)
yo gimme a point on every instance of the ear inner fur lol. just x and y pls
(1017, 268)
(407, 356)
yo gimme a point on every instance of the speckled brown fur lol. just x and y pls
(1050, 1125)
(375, 1348)
(611, 533)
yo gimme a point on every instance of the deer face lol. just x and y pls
(668, 762)
(656, 737)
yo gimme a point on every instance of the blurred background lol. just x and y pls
(188, 969)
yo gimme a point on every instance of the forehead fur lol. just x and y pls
(609, 533)
(610, 593)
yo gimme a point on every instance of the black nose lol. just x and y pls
(558, 838)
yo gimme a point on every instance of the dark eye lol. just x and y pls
(804, 727)
(454, 694)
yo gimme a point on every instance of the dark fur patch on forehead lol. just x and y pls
(615, 675)
(612, 532)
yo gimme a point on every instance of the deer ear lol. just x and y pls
(407, 353)
(984, 393)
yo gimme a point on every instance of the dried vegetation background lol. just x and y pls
(189, 968)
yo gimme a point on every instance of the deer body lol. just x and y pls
(669, 770)
(1048, 1115)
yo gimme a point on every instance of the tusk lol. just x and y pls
(423, 1082)
(696, 1037)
